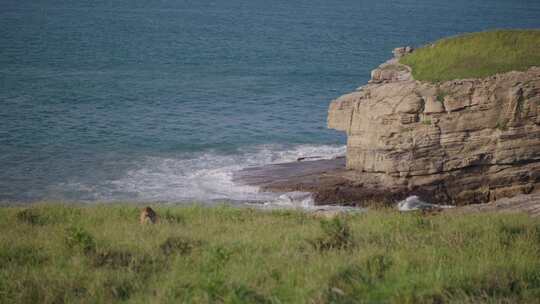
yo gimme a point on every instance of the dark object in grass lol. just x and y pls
(337, 235)
(178, 245)
(112, 258)
(22, 255)
(120, 290)
(30, 216)
(142, 264)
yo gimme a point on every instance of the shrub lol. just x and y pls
(337, 235)
(441, 95)
(217, 258)
(119, 290)
(77, 237)
(346, 286)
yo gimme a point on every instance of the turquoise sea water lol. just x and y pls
(163, 100)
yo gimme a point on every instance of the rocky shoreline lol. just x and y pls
(329, 181)
(461, 142)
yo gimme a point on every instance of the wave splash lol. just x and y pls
(207, 177)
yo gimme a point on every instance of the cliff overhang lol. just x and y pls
(459, 142)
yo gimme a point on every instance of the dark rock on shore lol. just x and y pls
(328, 180)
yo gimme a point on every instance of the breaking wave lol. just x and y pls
(204, 177)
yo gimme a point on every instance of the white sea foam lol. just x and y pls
(413, 203)
(294, 199)
(207, 177)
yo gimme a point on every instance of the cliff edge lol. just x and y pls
(459, 141)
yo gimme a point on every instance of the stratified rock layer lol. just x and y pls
(463, 141)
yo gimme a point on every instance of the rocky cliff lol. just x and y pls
(463, 141)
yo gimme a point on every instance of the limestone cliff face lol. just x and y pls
(471, 140)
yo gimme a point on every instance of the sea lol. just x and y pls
(163, 100)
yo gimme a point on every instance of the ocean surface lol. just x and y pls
(132, 100)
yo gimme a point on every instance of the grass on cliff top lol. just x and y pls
(476, 55)
(101, 254)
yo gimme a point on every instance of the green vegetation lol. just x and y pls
(476, 55)
(502, 125)
(441, 95)
(101, 254)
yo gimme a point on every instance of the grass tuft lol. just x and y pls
(112, 258)
(441, 95)
(178, 245)
(172, 218)
(30, 216)
(336, 235)
(77, 237)
(22, 255)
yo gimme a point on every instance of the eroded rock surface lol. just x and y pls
(458, 142)
(529, 204)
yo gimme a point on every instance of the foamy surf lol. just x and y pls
(205, 177)
(303, 201)
(294, 199)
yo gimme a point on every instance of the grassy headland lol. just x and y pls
(476, 55)
(101, 254)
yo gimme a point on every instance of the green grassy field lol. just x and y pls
(476, 55)
(101, 254)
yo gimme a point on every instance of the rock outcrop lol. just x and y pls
(458, 142)
(528, 204)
